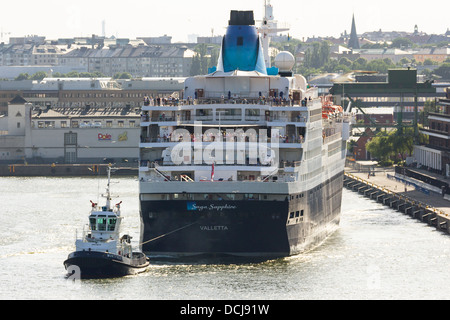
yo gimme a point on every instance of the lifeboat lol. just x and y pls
(329, 109)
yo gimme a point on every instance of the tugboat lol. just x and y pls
(101, 252)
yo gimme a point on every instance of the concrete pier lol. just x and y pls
(419, 203)
(61, 170)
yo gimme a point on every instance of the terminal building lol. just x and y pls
(69, 135)
(87, 92)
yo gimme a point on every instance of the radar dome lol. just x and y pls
(285, 61)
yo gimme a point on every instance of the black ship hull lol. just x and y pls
(250, 228)
(96, 265)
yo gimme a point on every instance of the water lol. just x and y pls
(377, 253)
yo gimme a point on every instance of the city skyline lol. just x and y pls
(179, 19)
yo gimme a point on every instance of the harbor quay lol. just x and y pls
(62, 170)
(404, 194)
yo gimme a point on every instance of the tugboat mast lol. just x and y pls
(108, 191)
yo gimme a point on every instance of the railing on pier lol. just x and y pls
(399, 196)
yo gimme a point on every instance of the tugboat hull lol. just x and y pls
(94, 265)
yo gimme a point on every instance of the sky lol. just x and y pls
(180, 18)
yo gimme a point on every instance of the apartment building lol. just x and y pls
(17, 55)
(436, 154)
(109, 57)
(392, 53)
(434, 54)
(140, 61)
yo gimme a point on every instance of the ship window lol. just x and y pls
(240, 41)
(112, 224)
(297, 214)
(93, 224)
(291, 215)
(101, 222)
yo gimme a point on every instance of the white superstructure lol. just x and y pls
(247, 164)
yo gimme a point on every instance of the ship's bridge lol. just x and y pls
(104, 221)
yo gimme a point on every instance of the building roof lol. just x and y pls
(384, 51)
(87, 112)
(354, 41)
(433, 51)
(132, 52)
(18, 100)
(76, 84)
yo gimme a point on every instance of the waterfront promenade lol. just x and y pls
(385, 178)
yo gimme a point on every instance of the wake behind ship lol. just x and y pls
(250, 163)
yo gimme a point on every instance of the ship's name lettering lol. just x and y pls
(214, 228)
(214, 207)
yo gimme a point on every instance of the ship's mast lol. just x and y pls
(108, 191)
(268, 29)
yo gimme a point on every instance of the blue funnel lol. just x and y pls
(241, 46)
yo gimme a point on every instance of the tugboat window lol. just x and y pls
(93, 224)
(101, 221)
(112, 224)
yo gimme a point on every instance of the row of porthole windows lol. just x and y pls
(298, 196)
(296, 214)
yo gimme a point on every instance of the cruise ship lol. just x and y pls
(249, 163)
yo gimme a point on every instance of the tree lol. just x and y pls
(39, 76)
(380, 65)
(195, 66)
(429, 62)
(123, 75)
(443, 71)
(427, 73)
(85, 75)
(214, 57)
(206, 56)
(335, 66)
(97, 74)
(402, 42)
(324, 52)
(317, 55)
(380, 147)
(73, 74)
(430, 106)
(345, 61)
(389, 62)
(22, 76)
(393, 146)
(374, 45)
(359, 64)
(404, 61)
(58, 75)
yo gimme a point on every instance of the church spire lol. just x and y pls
(354, 41)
